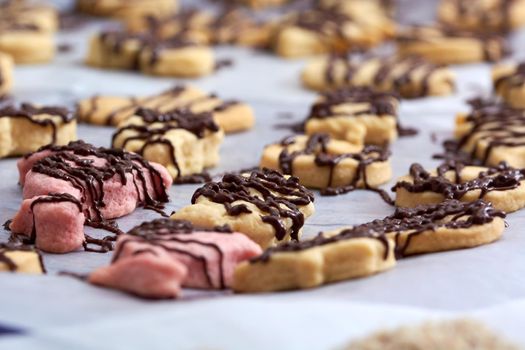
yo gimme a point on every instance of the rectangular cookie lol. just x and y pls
(186, 143)
(26, 128)
(370, 248)
(26, 43)
(264, 205)
(6, 74)
(410, 77)
(20, 259)
(230, 115)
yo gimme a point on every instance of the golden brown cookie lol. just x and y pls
(128, 10)
(6, 74)
(369, 248)
(26, 128)
(230, 115)
(410, 77)
(264, 205)
(334, 166)
(509, 83)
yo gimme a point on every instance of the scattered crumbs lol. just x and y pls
(65, 48)
(223, 63)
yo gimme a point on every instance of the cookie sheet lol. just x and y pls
(62, 313)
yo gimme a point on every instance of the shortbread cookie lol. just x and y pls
(357, 115)
(178, 56)
(230, 115)
(21, 259)
(481, 15)
(334, 166)
(30, 14)
(6, 74)
(63, 186)
(25, 43)
(318, 31)
(128, 9)
(502, 186)
(442, 45)
(509, 83)
(358, 7)
(26, 128)
(208, 258)
(369, 248)
(186, 143)
(264, 205)
(410, 77)
(490, 134)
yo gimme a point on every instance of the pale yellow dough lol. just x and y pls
(26, 261)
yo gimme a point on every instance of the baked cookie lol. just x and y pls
(442, 45)
(334, 166)
(509, 83)
(358, 7)
(319, 31)
(25, 43)
(490, 134)
(230, 115)
(26, 128)
(6, 74)
(503, 186)
(410, 77)
(178, 56)
(358, 115)
(23, 259)
(481, 15)
(30, 14)
(264, 205)
(127, 10)
(145, 258)
(186, 143)
(370, 248)
(65, 187)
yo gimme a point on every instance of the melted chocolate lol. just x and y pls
(514, 79)
(415, 221)
(279, 198)
(497, 18)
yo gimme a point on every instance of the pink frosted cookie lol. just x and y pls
(193, 257)
(65, 187)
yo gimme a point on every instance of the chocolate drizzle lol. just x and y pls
(33, 114)
(488, 18)
(11, 247)
(500, 178)
(277, 197)
(166, 234)
(514, 79)
(74, 164)
(317, 144)
(451, 214)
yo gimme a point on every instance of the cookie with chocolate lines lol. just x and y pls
(334, 166)
(179, 56)
(370, 248)
(490, 134)
(230, 115)
(34, 14)
(442, 45)
(265, 205)
(319, 31)
(481, 15)
(156, 258)
(186, 143)
(20, 259)
(509, 83)
(25, 43)
(128, 10)
(6, 74)
(358, 115)
(410, 77)
(503, 186)
(26, 128)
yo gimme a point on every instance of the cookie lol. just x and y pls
(318, 31)
(264, 205)
(482, 16)
(186, 143)
(509, 83)
(6, 74)
(490, 134)
(358, 115)
(503, 186)
(230, 115)
(177, 56)
(208, 258)
(65, 187)
(127, 10)
(30, 14)
(20, 259)
(370, 248)
(410, 77)
(26, 128)
(442, 45)
(26, 43)
(334, 166)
